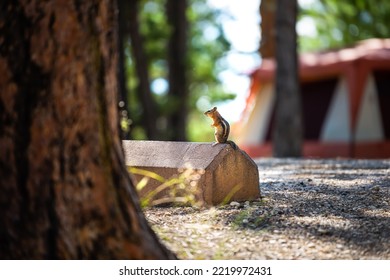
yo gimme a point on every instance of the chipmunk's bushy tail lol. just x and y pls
(234, 145)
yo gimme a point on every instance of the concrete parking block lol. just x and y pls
(224, 174)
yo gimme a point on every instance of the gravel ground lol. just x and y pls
(310, 209)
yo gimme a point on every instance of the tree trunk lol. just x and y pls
(177, 52)
(268, 34)
(65, 191)
(122, 77)
(288, 121)
(141, 65)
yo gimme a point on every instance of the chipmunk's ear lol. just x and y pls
(215, 108)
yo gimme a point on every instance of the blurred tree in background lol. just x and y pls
(177, 66)
(288, 129)
(279, 41)
(267, 47)
(130, 29)
(341, 23)
(173, 51)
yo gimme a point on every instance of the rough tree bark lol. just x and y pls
(288, 131)
(64, 189)
(177, 52)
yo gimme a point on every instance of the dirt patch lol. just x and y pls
(310, 209)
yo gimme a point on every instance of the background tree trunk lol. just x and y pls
(122, 75)
(288, 131)
(177, 53)
(65, 191)
(131, 8)
(268, 33)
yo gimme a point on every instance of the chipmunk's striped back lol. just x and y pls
(223, 134)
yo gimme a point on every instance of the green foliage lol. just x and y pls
(124, 120)
(207, 46)
(341, 23)
(199, 127)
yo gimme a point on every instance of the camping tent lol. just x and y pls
(345, 100)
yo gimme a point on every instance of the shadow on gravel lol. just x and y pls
(336, 201)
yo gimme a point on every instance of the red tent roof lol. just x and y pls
(354, 63)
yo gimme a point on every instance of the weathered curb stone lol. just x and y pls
(224, 172)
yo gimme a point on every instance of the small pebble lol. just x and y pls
(234, 204)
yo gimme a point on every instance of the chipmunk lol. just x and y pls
(222, 128)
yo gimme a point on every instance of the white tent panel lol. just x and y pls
(258, 122)
(336, 126)
(369, 123)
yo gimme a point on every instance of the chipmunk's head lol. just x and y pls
(211, 112)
